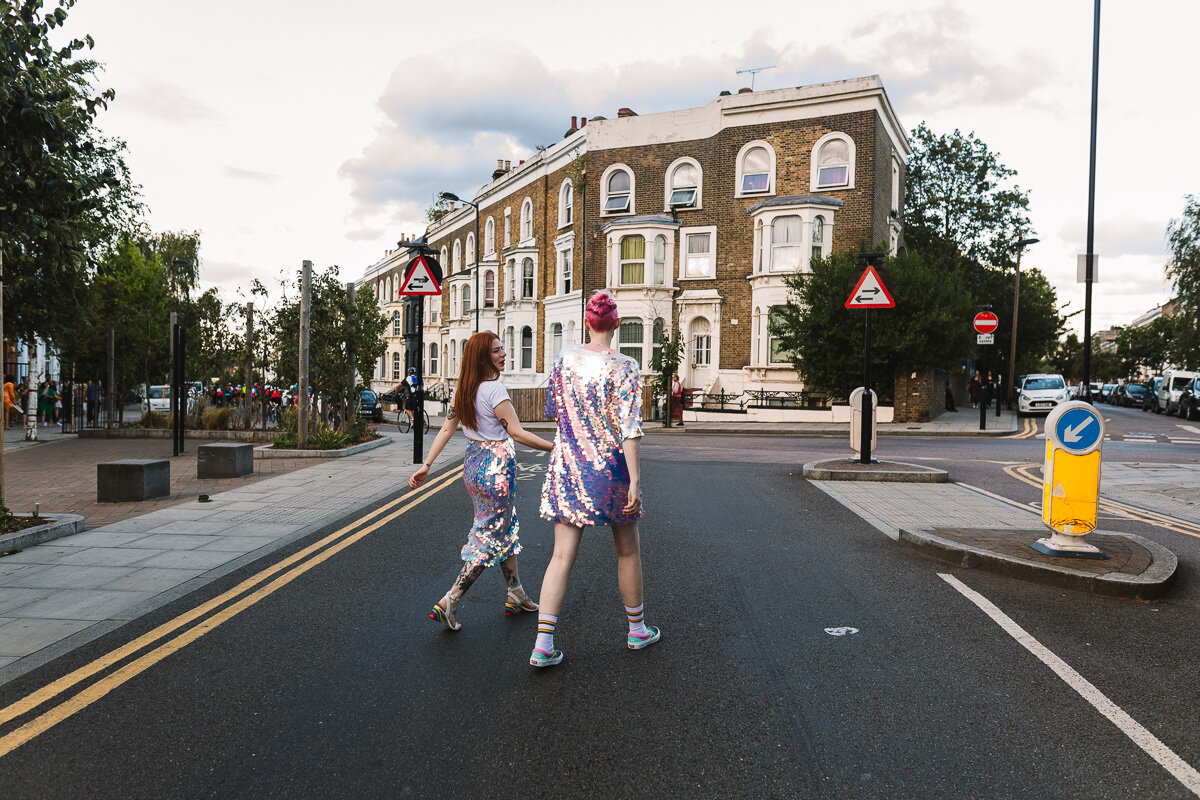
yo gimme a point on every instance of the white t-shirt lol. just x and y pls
(490, 395)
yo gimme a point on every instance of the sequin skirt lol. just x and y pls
(490, 473)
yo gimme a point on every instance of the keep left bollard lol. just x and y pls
(1071, 480)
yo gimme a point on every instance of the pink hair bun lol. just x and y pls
(602, 312)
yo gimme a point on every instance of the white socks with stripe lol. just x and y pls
(545, 636)
(637, 619)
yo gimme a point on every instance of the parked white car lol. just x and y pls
(1173, 383)
(158, 400)
(1039, 394)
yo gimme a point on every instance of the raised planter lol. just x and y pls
(270, 452)
(165, 433)
(56, 527)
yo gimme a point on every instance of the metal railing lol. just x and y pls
(757, 398)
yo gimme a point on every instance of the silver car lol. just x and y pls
(1039, 394)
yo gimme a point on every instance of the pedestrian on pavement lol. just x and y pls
(91, 397)
(593, 477)
(677, 400)
(482, 407)
(45, 404)
(411, 382)
(11, 406)
(949, 398)
(974, 387)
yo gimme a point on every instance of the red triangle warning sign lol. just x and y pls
(870, 292)
(419, 279)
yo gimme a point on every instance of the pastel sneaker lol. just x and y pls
(540, 658)
(638, 641)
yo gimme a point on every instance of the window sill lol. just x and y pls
(698, 278)
(754, 194)
(841, 188)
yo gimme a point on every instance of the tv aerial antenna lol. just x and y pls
(753, 73)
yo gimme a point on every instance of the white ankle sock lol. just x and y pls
(637, 619)
(545, 637)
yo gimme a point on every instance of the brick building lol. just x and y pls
(691, 218)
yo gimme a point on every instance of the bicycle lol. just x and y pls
(405, 424)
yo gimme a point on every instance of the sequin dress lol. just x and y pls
(596, 396)
(490, 473)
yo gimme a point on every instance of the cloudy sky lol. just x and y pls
(311, 130)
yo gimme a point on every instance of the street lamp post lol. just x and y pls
(475, 248)
(1012, 345)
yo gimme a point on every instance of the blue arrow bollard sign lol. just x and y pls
(1079, 429)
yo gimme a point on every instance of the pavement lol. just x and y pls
(59, 595)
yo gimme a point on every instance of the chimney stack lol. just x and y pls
(574, 122)
(499, 171)
(582, 121)
(745, 90)
(626, 112)
(507, 166)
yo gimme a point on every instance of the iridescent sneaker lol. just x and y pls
(540, 658)
(638, 641)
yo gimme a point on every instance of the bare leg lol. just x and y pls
(449, 603)
(554, 582)
(512, 579)
(629, 563)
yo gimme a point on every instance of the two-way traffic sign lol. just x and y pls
(870, 291)
(422, 278)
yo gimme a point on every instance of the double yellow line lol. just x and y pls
(1028, 430)
(226, 606)
(1026, 474)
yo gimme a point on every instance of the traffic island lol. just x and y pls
(55, 526)
(843, 469)
(1135, 568)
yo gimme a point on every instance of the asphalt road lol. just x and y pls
(336, 684)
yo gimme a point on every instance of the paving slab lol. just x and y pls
(106, 556)
(174, 541)
(12, 597)
(21, 635)
(153, 579)
(69, 576)
(82, 604)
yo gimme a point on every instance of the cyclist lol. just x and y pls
(411, 383)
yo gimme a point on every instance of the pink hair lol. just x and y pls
(602, 312)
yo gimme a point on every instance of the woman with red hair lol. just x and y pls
(482, 407)
(593, 476)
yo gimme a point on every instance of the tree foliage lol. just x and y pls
(1183, 236)
(927, 328)
(65, 191)
(1146, 348)
(958, 195)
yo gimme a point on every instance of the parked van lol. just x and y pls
(1173, 383)
(158, 400)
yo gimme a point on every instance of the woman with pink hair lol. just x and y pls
(593, 477)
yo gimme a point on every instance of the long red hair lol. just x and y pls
(477, 367)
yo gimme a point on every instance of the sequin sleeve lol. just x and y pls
(629, 403)
(552, 388)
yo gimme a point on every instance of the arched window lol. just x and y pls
(756, 169)
(446, 265)
(775, 349)
(660, 260)
(396, 323)
(466, 299)
(489, 236)
(512, 282)
(701, 342)
(618, 192)
(527, 279)
(683, 185)
(379, 292)
(630, 336)
(526, 348)
(658, 333)
(463, 350)
(566, 204)
(818, 237)
(833, 162)
(446, 361)
(570, 332)
(489, 289)
(396, 374)
(453, 304)
(556, 339)
(507, 227)
(633, 260)
(433, 359)
(509, 340)
(389, 290)
(527, 220)
(785, 243)
(470, 249)
(457, 265)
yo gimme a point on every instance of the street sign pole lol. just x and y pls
(865, 447)
(419, 389)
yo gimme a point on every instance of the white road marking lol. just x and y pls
(841, 631)
(1182, 771)
(994, 496)
(1141, 439)
(1188, 428)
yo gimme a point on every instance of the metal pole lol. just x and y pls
(478, 301)
(3, 352)
(109, 393)
(31, 396)
(302, 400)
(351, 404)
(1089, 257)
(1012, 346)
(181, 355)
(248, 399)
(865, 422)
(983, 399)
(419, 389)
(174, 400)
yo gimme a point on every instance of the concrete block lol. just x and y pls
(224, 460)
(132, 480)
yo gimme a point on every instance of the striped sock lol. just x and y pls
(545, 637)
(637, 619)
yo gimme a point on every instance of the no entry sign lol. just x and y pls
(986, 322)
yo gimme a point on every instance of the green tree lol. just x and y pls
(1066, 360)
(1146, 348)
(1183, 236)
(65, 191)
(958, 196)
(929, 327)
(665, 361)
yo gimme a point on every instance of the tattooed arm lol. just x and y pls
(508, 418)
